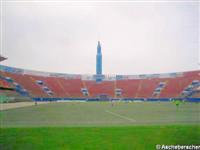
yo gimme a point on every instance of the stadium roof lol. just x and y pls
(2, 58)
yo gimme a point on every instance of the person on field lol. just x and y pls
(177, 102)
(112, 103)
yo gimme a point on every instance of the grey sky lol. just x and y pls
(136, 37)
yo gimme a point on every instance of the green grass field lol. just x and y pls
(98, 125)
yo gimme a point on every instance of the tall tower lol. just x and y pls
(99, 60)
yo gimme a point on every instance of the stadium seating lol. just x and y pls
(129, 87)
(52, 86)
(72, 87)
(102, 88)
(175, 86)
(28, 83)
(147, 87)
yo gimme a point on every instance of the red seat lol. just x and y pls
(102, 88)
(129, 87)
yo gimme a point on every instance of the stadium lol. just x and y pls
(109, 99)
(51, 110)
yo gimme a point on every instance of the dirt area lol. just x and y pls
(5, 106)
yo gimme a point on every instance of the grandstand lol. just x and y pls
(56, 86)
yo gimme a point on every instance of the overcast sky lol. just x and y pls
(136, 37)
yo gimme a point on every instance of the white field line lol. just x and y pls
(118, 115)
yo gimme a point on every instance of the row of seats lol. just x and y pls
(104, 88)
(27, 82)
(132, 88)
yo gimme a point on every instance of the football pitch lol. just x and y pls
(99, 125)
